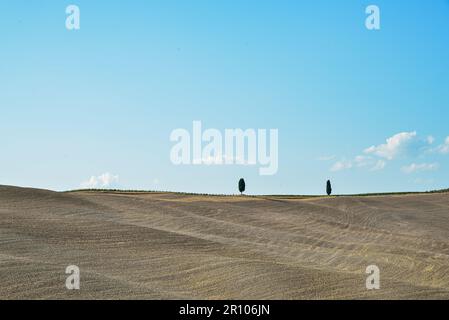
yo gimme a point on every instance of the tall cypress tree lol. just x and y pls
(328, 188)
(241, 186)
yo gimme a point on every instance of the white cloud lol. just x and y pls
(359, 162)
(106, 180)
(414, 167)
(444, 148)
(341, 165)
(423, 181)
(212, 160)
(363, 161)
(380, 165)
(394, 145)
(326, 158)
(401, 144)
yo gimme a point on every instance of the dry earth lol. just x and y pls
(172, 246)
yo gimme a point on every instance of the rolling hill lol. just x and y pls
(180, 246)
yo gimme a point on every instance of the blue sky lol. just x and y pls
(98, 104)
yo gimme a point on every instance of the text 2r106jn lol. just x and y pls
(255, 310)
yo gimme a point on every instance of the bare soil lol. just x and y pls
(173, 246)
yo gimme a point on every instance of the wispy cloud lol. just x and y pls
(210, 160)
(380, 165)
(326, 158)
(105, 180)
(341, 165)
(444, 148)
(363, 161)
(359, 161)
(417, 167)
(423, 181)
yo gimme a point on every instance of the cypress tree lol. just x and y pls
(241, 186)
(328, 188)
